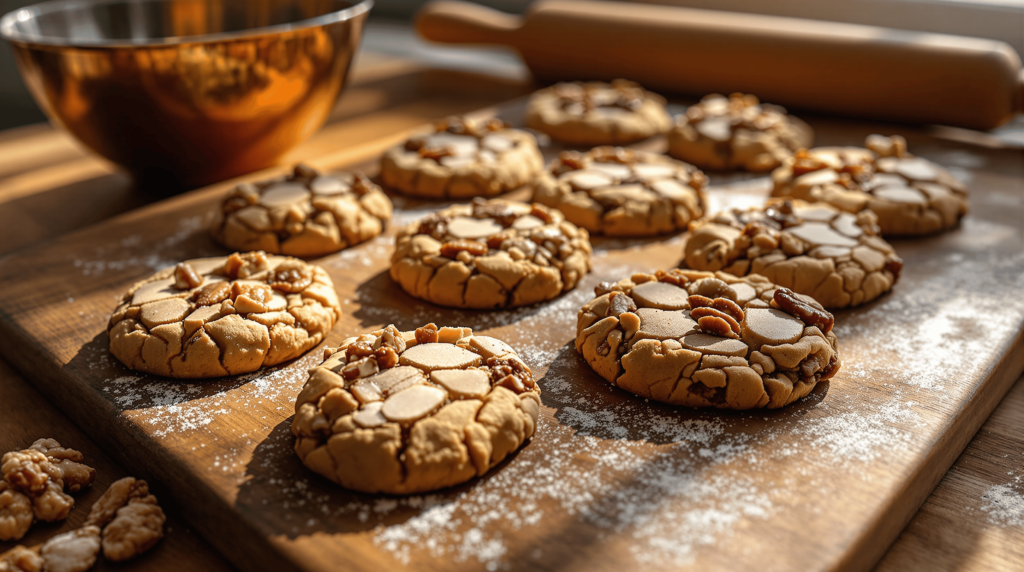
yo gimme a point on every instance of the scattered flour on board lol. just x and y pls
(155, 256)
(1004, 506)
(174, 407)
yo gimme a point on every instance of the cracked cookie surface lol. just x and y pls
(623, 192)
(408, 412)
(461, 159)
(213, 317)
(910, 195)
(836, 257)
(305, 214)
(490, 254)
(703, 339)
(812, 248)
(737, 132)
(597, 113)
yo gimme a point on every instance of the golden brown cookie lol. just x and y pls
(305, 214)
(705, 339)
(408, 412)
(597, 113)
(212, 317)
(814, 249)
(737, 132)
(490, 254)
(461, 159)
(910, 195)
(623, 192)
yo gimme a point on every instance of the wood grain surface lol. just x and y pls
(609, 481)
(973, 522)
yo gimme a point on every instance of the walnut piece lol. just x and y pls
(74, 551)
(186, 277)
(16, 514)
(20, 559)
(245, 265)
(28, 471)
(134, 530)
(132, 522)
(791, 304)
(427, 334)
(453, 248)
(211, 294)
(292, 276)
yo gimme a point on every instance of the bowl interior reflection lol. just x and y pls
(109, 22)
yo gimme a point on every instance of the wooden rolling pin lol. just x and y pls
(846, 69)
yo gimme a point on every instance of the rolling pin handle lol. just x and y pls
(1019, 104)
(456, 22)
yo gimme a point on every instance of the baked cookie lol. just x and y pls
(490, 254)
(910, 195)
(212, 317)
(462, 159)
(597, 113)
(814, 249)
(408, 412)
(623, 192)
(705, 339)
(737, 132)
(306, 214)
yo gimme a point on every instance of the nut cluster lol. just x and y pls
(125, 522)
(34, 484)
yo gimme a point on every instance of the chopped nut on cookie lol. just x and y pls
(305, 214)
(908, 195)
(736, 132)
(597, 113)
(814, 249)
(451, 407)
(244, 311)
(705, 339)
(490, 254)
(623, 192)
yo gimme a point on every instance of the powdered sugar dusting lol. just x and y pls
(1004, 505)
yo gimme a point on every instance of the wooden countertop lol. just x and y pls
(48, 186)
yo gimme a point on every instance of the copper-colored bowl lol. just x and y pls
(193, 90)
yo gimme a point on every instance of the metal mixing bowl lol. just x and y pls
(195, 91)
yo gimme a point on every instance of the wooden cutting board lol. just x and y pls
(609, 482)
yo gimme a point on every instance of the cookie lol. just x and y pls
(212, 317)
(703, 339)
(597, 113)
(738, 132)
(490, 254)
(409, 412)
(911, 196)
(306, 214)
(814, 249)
(463, 159)
(623, 192)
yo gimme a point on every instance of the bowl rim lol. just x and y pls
(9, 33)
